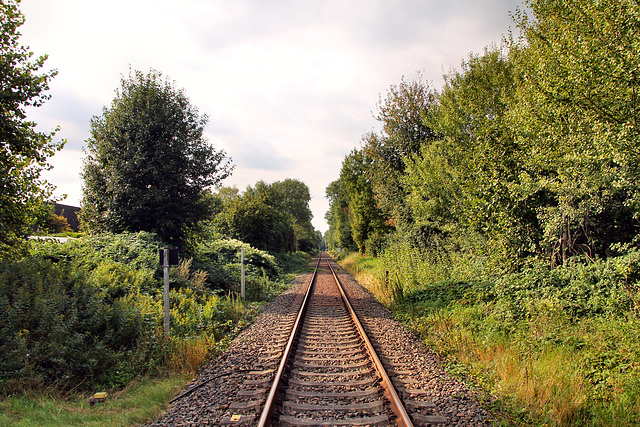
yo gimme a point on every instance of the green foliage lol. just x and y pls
(195, 313)
(375, 243)
(339, 234)
(90, 311)
(24, 151)
(292, 262)
(575, 115)
(57, 328)
(273, 217)
(292, 196)
(532, 147)
(401, 114)
(252, 219)
(364, 217)
(557, 344)
(368, 200)
(515, 200)
(220, 259)
(148, 162)
(465, 182)
(57, 224)
(137, 251)
(579, 290)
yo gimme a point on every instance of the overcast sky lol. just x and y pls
(290, 86)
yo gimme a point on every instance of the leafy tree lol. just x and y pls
(293, 196)
(205, 229)
(23, 151)
(576, 117)
(56, 223)
(252, 219)
(148, 162)
(531, 151)
(403, 133)
(339, 233)
(466, 180)
(365, 218)
(274, 217)
(226, 194)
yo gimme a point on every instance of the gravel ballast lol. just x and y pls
(233, 383)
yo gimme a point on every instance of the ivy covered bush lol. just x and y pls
(57, 327)
(89, 312)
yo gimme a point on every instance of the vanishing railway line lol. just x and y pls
(328, 372)
(306, 361)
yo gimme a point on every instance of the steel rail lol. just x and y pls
(265, 418)
(389, 390)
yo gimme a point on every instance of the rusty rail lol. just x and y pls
(389, 391)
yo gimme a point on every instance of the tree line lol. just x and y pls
(88, 313)
(529, 151)
(148, 166)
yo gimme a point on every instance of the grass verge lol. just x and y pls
(547, 368)
(139, 402)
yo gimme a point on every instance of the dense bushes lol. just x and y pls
(58, 328)
(559, 344)
(220, 259)
(89, 312)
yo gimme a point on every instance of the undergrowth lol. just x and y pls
(555, 346)
(88, 314)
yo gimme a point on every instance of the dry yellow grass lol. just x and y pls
(187, 355)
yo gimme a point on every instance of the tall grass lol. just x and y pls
(368, 272)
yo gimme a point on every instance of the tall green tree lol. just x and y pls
(290, 197)
(293, 196)
(23, 150)
(467, 179)
(366, 220)
(148, 163)
(576, 115)
(253, 218)
(339, 233)
(404, 131)
(274, 217)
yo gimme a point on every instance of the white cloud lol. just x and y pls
(289, 85)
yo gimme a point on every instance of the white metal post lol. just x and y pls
(165, 266)
(242, 273)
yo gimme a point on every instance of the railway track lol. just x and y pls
(322, 369)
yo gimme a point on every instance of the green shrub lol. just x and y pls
(57, 328)
(90, 311)
(559, 343)
(136, 250)
(292, 262)
(220, 259)
(594, 289)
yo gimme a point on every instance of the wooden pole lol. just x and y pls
(242, 273)
(165, 266)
